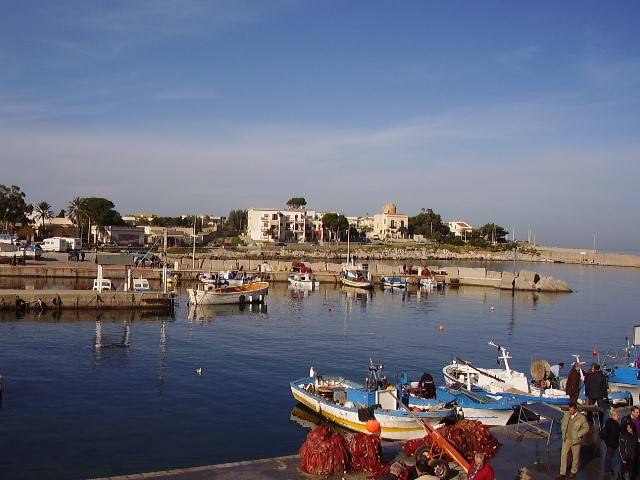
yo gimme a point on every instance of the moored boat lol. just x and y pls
(303, 280)
(206, 294)
(351, 405)
(355, 276)
(624, 374)
(235, 277)
(394, 282)
(510, 384)
(431, 283)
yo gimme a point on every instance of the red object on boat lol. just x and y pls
(373, 426)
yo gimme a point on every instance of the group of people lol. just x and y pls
(620, 436)
(478, 470)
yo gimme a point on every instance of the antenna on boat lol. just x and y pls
(504, 356)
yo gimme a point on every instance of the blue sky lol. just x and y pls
(522, 113)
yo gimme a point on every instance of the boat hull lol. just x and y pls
(307, 285)
(355, 284)
(251, 293)
(394, 425)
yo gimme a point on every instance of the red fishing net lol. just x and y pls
(365, 452)
(324, 453)
(467, 436)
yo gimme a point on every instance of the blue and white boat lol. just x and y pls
(512, 385)
(394, 282)
(351, 404)
(626, 374)
(475, 404)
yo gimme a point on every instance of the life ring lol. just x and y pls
(242, 299)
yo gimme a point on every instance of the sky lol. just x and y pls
(521, 113)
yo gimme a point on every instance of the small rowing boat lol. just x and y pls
(394, 282)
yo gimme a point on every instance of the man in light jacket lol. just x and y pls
(574, 428)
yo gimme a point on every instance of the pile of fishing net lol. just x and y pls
(326, 452)
(467, 436)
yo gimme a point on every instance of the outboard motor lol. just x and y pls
(426, 386)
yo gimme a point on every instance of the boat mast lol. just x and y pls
(348, 245)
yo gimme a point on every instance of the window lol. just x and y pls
(393, 224)
(274, 216)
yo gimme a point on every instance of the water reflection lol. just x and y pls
(206, 314)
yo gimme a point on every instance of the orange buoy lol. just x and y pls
(441, 327)
(373, 426)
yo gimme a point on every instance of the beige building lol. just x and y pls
(390, 223)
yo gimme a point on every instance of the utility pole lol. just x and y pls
(193, 255)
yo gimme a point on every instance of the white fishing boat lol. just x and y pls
(505, 382)
(353, 405)
(431, 283)
(303, 280)
(212, 278)
(355, 276)
(207, 294)
(235, 277)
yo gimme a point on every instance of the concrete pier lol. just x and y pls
(86, 300)
(518, 449)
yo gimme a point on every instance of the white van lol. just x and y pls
(54, 244)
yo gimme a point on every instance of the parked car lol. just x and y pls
(32, 251)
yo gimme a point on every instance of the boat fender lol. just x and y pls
(242, 299)
(261, 298)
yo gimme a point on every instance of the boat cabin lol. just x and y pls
(106, 285)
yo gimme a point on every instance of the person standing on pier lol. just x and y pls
(595, 388)
(573, 383)
(629, 451)
(574, 427)
(610, 435)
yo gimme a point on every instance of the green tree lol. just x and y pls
(296, 202)
(335, 224)
(429, 224)
(237, 221)
(101, 211)
(43, 213)
(75, 210)
(13, 207)
(491, 232)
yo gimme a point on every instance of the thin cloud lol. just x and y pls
(623, 73)
(519, 57)
(187, 94)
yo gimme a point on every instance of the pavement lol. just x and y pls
(521, 447)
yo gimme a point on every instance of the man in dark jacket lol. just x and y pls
(610, 435)
(573, 383)
(595, 388)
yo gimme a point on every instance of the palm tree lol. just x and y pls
(43, 212)
(75, 209)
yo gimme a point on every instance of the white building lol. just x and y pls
(390, 223)
(276, 225)
(460, 228)
(363, 224)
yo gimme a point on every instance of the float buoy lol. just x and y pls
(373, 426)
(441, 328)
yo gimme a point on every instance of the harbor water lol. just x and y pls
(71, 409)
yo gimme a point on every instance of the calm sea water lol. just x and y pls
(73, 411)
